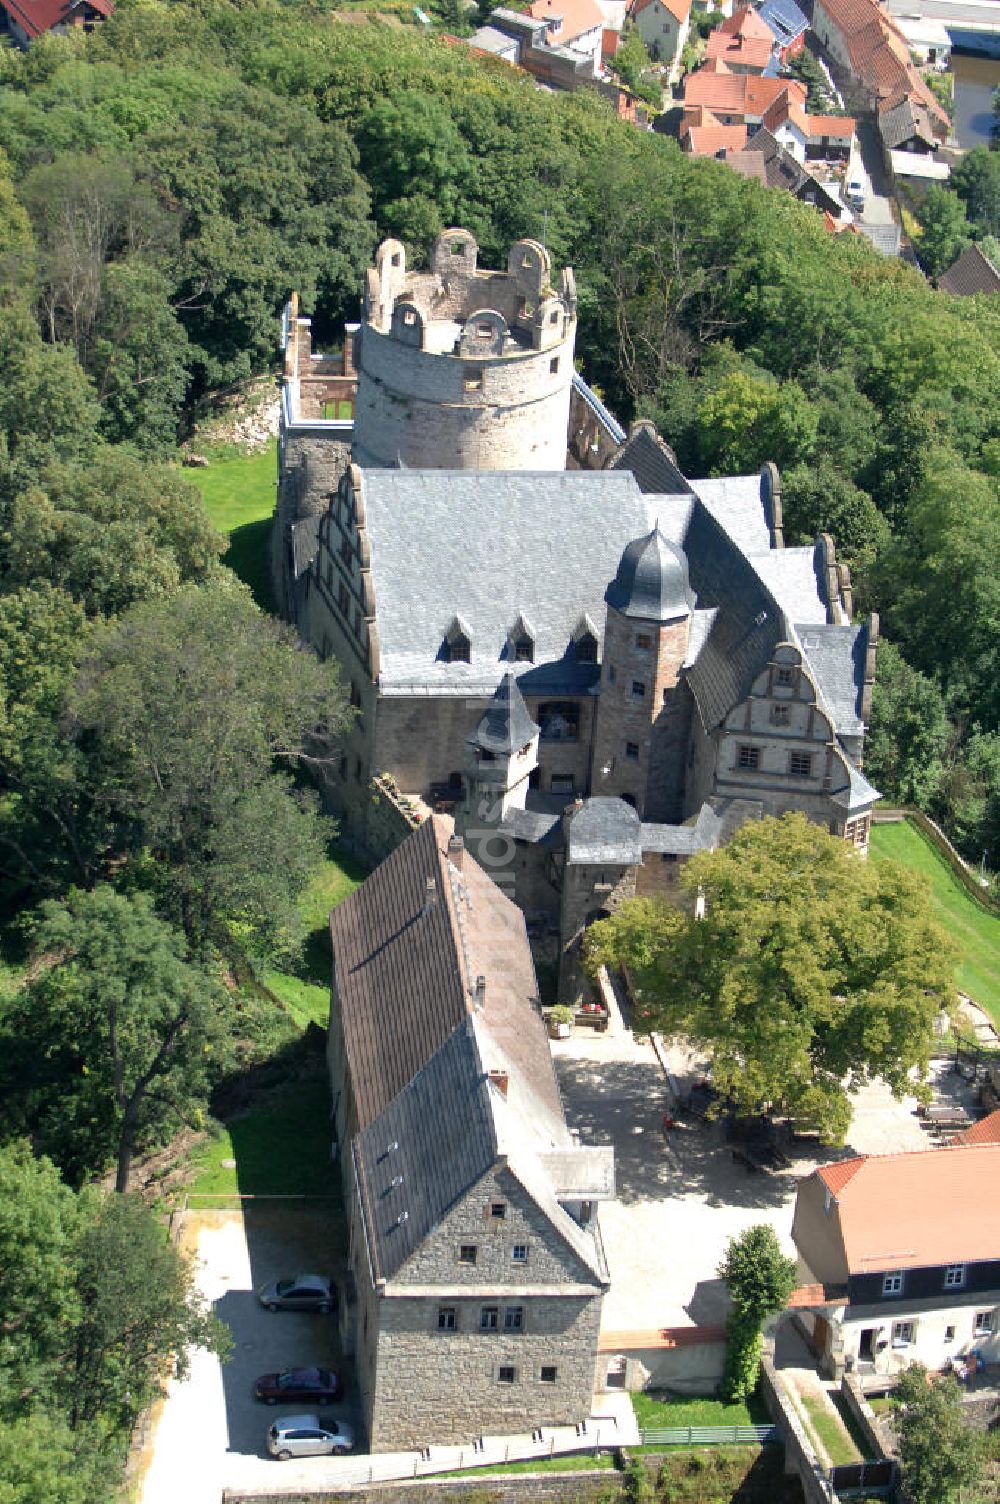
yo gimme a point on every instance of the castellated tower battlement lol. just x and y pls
(462, 369)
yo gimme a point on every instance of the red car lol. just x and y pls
(317, 1384)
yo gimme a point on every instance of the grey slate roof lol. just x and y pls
(604, 830)
(684, 840)
(651, 462)
(907, 118)
(437, 551)
(436, 1138)
(305, 543)
(651, 581)
(506, 726)
(839, 675)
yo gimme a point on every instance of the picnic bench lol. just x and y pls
(941, 1115)
(594, 1015)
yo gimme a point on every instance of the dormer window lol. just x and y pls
(585, 640)
(457, 645)
(521, 642)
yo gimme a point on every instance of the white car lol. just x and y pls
(306, 1436)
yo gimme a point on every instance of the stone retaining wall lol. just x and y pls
(876, 1432)
(799, 1454)
(587, 1486)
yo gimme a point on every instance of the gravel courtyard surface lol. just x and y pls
(681, 1196)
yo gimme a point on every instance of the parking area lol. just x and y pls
(211, 1432)
(681, 1192)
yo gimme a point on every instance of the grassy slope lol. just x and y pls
(976, 931)
(238, 492)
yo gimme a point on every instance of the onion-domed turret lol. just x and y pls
(652, 581)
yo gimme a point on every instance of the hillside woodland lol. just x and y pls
(165, 183)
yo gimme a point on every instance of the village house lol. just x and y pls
(873, 56)
(788, 25)
(904, 1254)
(763, 159)
(663, 26)
(576, 24)
(739, 99)
(477, 1269)
(971, 273)
(744, 42)
(26, 20)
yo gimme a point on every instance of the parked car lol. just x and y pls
(307, 1436)
(302, 1292)
(317, 1384)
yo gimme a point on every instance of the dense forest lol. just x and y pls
(165, 182)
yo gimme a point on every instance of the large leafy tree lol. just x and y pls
(811, 971)
(187, 706)
(940, 1454)
(109, 533)
(111, 1045)
(976, 180)
(944, 230)
(759, 1278)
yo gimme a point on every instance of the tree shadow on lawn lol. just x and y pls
(249, 557)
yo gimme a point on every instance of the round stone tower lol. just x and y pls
(462, 369)
(643, 716)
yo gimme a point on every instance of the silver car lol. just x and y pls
(303, 1292)
(306, 1436)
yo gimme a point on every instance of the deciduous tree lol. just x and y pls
(759, 1279)
(811, 972)
(940, 1454)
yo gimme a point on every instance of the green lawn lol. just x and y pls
(976, 931)
(280, 1148)
(839, 1447)
(238, 492)
(307, 997)
(655, 1409)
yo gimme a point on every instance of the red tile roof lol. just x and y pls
(679, 9)
(709, 140)
(924, 1209)
(835, 127)
(577, 16)
(743, 39)
(879, 53)
(740, 93)
(817, 1295)
(38, 16)
(659, 1337)
(987, 1130)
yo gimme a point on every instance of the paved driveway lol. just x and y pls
(211, 1432)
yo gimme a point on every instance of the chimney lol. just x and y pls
(480, 993)
(500, 1080)
(430, 897)
(456, 852)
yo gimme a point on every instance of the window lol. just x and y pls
(856, 831)
(357, 769)
(554, 365)
(506, 1374)
(902, 1333)
(468, 1253)
(643, 641)
(343, 599)
(409, 316)
(892, 1284)
(785, 675)
(458, 247)
(954, 1276)
(561, 783)
(748, 757)
(472, 379)
(949, 1334)
(586, 648)
(489, 1318)
(632, 751)
(343, 766)
(346, 551)
(524, 650)
(638, 689)
(554, 316)
(983, 1325)
(457, 648)
(447, 1319)
(355, 694)
(559, 721)
(519, 1253)
(548, 1373)
(498, 1210)
(513, 1319)
(781, 715)
(800, 764)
